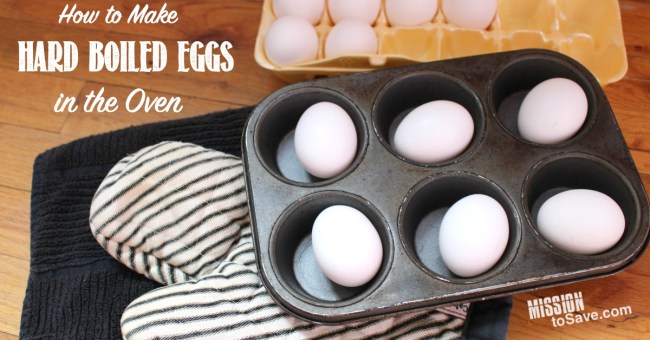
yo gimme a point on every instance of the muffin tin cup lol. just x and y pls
(424, 208)
(400, 196)
(276, 130)
(293, 258)
(405, 93)
(517, 78)
(559, 173)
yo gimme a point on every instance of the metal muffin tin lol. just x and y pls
(406, 200)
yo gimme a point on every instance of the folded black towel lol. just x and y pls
(75, 289)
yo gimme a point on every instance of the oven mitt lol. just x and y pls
(178, 214)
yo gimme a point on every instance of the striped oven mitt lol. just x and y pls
(178, 214)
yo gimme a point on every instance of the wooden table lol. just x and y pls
(29, 125)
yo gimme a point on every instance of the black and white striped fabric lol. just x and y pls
(178, 214)
(171, 210)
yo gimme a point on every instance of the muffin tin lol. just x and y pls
(589, 31)
(406, 200)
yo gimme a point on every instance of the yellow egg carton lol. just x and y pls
(586, 30)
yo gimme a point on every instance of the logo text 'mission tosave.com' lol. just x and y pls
(555, 305)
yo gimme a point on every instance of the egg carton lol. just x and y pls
(588, 31)
(406, 200)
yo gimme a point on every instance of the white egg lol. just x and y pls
(410, 12)
(553, 111)
(325, 140)
(581, 221)
(475, 14)
(364, 10)
(346, 245)
(434, 132)
(291, 40)
(351, 37)
(473, 235)
(312, 10)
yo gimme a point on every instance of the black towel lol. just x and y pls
(75, 289)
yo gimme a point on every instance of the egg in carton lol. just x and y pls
(588, 31)
(407, 201)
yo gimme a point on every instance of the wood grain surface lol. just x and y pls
(29, 126)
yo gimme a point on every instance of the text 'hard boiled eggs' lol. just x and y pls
(291, 40)
(553, 111)
(434, 132)
(473, 235)
(325, 140)
(346, 245)
(581, 221)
